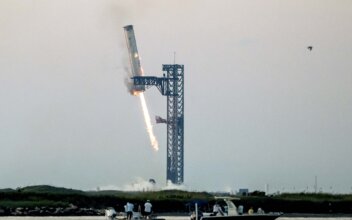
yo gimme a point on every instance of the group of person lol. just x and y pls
(146, 213)
(217, 210)
(260, 211)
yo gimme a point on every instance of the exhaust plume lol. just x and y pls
(148, 123)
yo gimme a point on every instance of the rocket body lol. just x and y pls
(136, 68)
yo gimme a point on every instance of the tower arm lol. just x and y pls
(159, 82)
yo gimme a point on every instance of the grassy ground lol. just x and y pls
(169, 201)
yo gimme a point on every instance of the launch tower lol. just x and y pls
(170, 85)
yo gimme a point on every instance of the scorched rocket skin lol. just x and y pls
(134, 58)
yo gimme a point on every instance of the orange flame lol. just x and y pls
(135, 92)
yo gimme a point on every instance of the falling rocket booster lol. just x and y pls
(134, 58)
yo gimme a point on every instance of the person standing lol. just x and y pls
(129, 210)
(240, 209)
(139, 210)
(251, 211)
(148, 209)
(216, 210)
(260, 211)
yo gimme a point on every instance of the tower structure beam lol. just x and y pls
(172, 86)
(160, 82)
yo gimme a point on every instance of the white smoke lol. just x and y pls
(128, 84)
(170, 185)
(140, 184)
(228, 189)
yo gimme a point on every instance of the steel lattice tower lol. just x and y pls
(172, 86)
(175, 118)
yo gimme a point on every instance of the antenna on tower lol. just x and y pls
(316, 184)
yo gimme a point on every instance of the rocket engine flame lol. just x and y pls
(148, 123)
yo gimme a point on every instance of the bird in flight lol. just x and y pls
(310, 48)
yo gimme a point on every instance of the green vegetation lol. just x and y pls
(315, 196)
(49, 196)
(167, 201)
(49, 189)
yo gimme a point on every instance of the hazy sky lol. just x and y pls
(260, 108)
